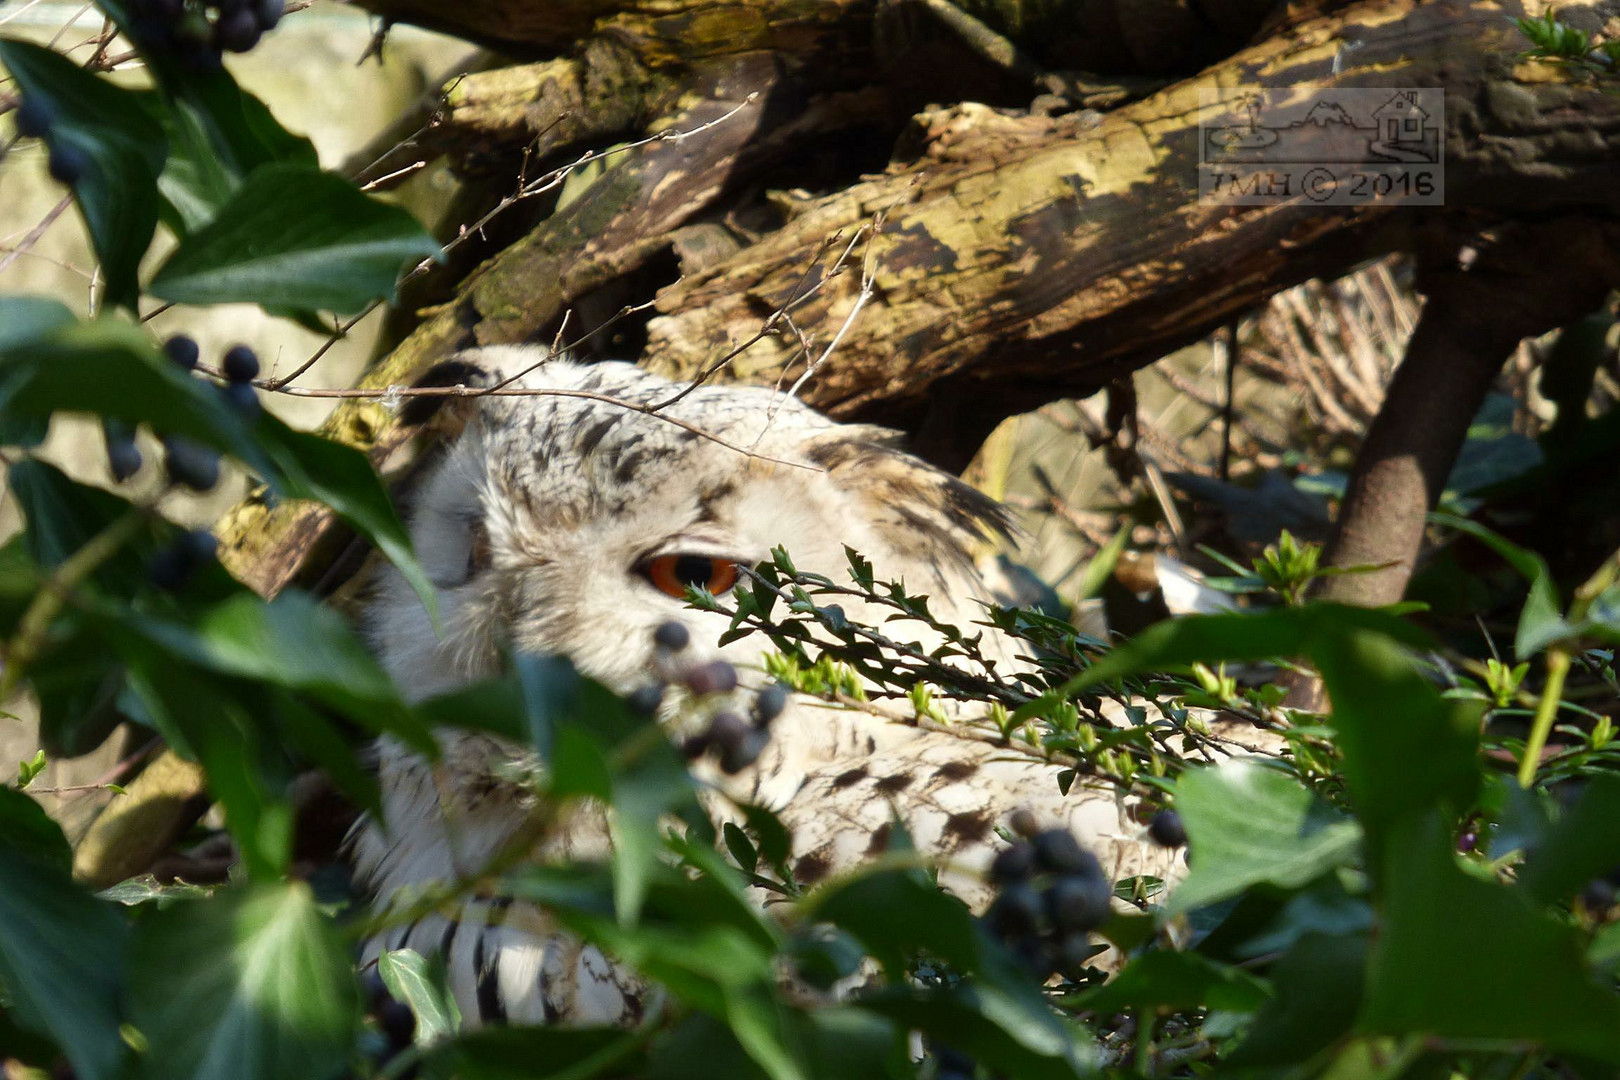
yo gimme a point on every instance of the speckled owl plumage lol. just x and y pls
(562, 499)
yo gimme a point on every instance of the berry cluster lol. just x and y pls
(736, 741)
(1053, 894)
(188, 463)
(198, 34)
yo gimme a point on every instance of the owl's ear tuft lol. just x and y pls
(447, 411)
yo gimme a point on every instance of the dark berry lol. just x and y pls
(726, 728)
(1016, 912)
(123, 459)
(672, 635)
(183, 351)
(1058, 852)
(1078, 904)
(715, 677)
(243, 398)
(397, 1022)
(237, 30)
(163, 10)
(1467, 841)
(769, 702)
(738, 756)
(34, 117)
(1167, 830)
(1598, 896)
(695, 746)
(1016, 863)
(123, 456)
(644, 700)
(67, 163)
(269, 12)
(1023, 823)
(241, 364)
(190, 464)
(199, 545)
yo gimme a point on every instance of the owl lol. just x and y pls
(566, 520)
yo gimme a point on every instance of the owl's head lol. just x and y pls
(577, 502)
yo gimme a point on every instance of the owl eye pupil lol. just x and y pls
(694, 570)
(674, 574)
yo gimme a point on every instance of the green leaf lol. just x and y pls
(1178, 981)
(1267, 635)
(1318, 991)
(30, 832)
(295, 237)
(111, 368)
(406, 974)
(239, 129)
(897, 914)
(204, 717)
(24, 319)
(61, 953)
(1463, 958)
(252, 984)
(1584, 844)
(122, 148)
(990, 1025)
(1405, 747)
(1541, 621)
(294, 642)
(539, 1053)
(196, 181)
(1249, 825)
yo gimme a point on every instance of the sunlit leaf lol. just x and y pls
(295, 237)
(252, 984)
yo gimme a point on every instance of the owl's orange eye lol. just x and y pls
(673, 573)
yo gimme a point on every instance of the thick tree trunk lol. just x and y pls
(1533, 278)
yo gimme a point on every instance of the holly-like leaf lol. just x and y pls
(295, 237)
(113, 144)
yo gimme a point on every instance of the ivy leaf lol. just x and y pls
(1249, 825)
(409, 978)
(1462, 958)
(251, 984)
(295, 237)
(118, 146)
(61, 950)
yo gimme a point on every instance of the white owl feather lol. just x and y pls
(538, 527)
